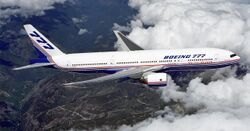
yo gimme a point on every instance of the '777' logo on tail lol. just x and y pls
(41, 40)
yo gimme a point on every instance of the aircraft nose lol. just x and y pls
(237, 57)
(234, 56)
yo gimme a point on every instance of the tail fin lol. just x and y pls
(41, 43)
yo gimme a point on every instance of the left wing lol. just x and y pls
(121, 74)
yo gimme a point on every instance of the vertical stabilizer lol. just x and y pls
(41, 43)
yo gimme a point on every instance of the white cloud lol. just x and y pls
(121, 28)
(215, 121)
(193, 23)
(230, 93)
(82, 31)
(80, 20)
(25, 7)
(77, 20)
(223, 105)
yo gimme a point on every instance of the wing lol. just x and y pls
(126, 43)
(121, 74)
(34, 66)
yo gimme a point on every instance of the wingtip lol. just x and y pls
(16, 69)
(27, 24)
(70, 85)
(66, 84)
(116, 31)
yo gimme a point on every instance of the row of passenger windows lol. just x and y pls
(132, 62)
(136, 62)
(148, 61)
(87, 64)
(165, 61)
(161, 61)
(199, 59)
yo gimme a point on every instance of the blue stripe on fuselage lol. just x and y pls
(108, 71)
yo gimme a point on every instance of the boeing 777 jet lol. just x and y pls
(150, 66)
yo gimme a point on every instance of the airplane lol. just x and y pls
(149, 66)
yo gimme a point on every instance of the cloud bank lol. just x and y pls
(26, 7)
(192, 23)
(224, 103)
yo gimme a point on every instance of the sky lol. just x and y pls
(224, 103)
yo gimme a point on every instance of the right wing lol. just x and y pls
(121, 74)
(126, 43)
(34, 66)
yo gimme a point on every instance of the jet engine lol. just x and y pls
(155, 79)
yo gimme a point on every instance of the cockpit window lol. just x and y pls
(233, 55)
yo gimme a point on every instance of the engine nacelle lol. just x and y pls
(155, 79)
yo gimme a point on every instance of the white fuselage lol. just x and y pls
(178, 59)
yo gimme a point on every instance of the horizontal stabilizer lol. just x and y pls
(34, 66)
